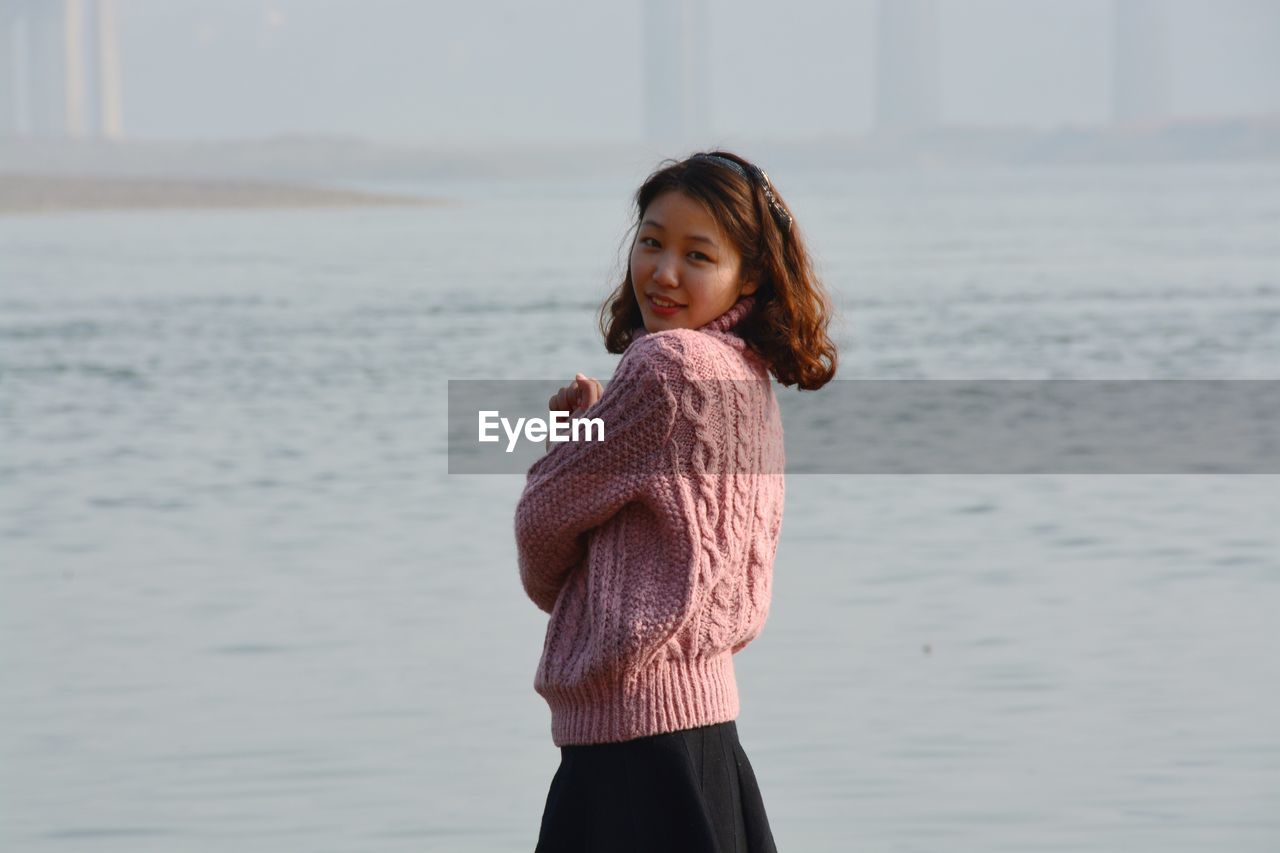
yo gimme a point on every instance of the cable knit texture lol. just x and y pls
(653, 549)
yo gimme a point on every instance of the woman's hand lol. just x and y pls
(575, 398)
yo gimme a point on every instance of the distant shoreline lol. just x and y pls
(35, 194)
(410, 166)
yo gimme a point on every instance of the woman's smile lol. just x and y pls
(662, 306)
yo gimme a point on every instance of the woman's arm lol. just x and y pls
(578, 486)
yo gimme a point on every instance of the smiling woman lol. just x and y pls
(653, 560)
(710, 231)
(684, 269)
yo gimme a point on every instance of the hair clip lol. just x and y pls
(784, 218)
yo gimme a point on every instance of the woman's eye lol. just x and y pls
(698, 256)
(648, 241)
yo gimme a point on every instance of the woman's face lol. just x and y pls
(684, 269)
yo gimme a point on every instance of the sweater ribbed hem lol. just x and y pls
(664, 697)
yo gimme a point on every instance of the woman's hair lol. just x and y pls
(787, 325)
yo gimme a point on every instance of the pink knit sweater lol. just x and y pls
(653, 549)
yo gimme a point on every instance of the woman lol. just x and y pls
(653, 548)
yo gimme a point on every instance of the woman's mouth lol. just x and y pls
(663, 307)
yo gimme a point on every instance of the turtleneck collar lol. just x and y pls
(723, 324)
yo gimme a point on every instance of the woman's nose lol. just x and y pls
(665, 273)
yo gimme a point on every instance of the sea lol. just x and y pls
(244, 606)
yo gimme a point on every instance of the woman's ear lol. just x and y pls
(749, 288)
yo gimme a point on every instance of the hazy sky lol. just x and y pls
(548, 70)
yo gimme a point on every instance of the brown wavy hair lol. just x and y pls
(787, 325)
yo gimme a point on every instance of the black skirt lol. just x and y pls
(691, 791)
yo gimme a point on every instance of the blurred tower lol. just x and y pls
(1140, 60)
(14, 63)
(55, 68)
(59, 68)
(109, 109)
(907, 79)
(675, 70)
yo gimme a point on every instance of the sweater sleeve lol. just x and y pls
(578, 486)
